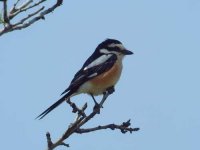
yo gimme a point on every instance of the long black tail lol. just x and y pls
(56, 104)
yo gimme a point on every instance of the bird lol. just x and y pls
(100, 72)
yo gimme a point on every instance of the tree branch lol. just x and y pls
(32, 17)
(82, 119)
(15, 11)
(29, 16)
(24, 7)
(121, 127)
(14, 6)
(76, 109)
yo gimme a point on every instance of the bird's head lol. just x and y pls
(112, 46)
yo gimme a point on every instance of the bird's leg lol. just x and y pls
(94, 99)
(108, 91)
(96, 106)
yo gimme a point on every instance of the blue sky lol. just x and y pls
(158, 91)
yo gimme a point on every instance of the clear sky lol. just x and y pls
(158, 91)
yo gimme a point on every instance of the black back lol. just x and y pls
(99, 68)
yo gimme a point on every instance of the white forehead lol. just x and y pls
(121, 46)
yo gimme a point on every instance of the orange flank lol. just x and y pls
(107, 79)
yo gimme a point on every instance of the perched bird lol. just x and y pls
(100, 72)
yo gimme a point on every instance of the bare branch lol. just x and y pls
(50, 145)
(29, 16)
(14, 6)
(81, 113)
(76, 109)
(26, 4)
(122, 127)
(49, 142)
(24, 7)
(30, 19)
(82, 119)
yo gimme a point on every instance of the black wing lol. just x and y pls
(84, 75)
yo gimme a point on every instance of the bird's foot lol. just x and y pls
(97, 108)
(110, 90)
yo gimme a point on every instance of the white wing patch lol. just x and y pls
(93, 75)
(98, 61)
(80, 77)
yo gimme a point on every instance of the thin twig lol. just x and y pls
(13, 9)
(81, 112)
(75, 109)
(67, 133)
(29, 16)
(123, 129)
(49, 142)
(27, 3)
(24, 8)
(30, 19)
(50, 145)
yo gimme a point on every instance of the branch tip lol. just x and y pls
(64, 144)
(49, 142)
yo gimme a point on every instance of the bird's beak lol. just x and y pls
(127, 52)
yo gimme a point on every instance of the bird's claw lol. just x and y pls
(110, 90)
(97, 108)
